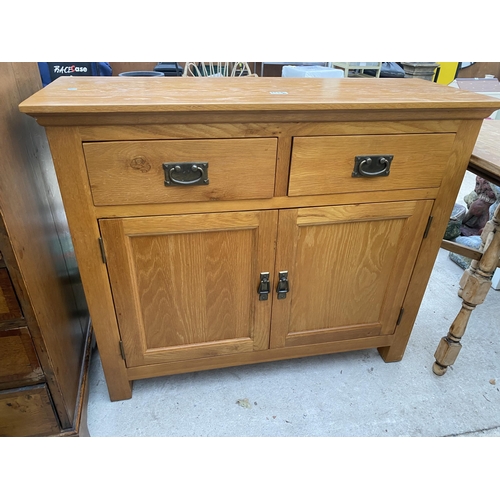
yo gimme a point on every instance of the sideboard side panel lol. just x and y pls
(453, 175)
(66, 147)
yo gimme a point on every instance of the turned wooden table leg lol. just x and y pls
(474, 286)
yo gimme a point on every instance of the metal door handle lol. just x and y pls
(264, 286)
(283, 286)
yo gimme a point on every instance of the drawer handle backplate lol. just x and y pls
(186, 173)
(372, 166)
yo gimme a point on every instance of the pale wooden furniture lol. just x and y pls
(485, 158)
(44, 321)
(220, 222)
(358, 68)
(476, 280)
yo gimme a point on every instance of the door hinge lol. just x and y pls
(427, 228)
(122, 350)
(103, 253)
(400, 316)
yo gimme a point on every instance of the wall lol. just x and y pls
(479, 69)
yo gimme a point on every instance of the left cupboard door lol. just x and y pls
(186, 286)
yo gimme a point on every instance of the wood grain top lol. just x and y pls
(486, 155)
(90, 95)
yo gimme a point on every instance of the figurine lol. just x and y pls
(478, 214)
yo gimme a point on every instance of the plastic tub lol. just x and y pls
(311, 72)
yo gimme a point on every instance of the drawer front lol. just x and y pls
(325, 165)
(27, 412)
(124, 173)
(18, 361)
(9, 306)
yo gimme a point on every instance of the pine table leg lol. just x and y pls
(474, 286)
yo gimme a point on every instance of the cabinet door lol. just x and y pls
(348, 270)
(185, 286)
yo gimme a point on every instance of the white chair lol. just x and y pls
(217, 69)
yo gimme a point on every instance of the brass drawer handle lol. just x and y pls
(186, 173)
(372, 166)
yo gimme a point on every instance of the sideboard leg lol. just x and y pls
(392, 354)
(119, 391)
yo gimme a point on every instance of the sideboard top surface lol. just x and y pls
(91, 95)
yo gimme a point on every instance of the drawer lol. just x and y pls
(325, 165)
(27, 412)
(132, 172)
(18, 360)
(9, 306)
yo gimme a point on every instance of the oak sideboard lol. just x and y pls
(226, 221)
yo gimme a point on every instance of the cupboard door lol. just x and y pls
(348, 270)
(185, 286)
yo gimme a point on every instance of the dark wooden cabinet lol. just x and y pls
(45, 338)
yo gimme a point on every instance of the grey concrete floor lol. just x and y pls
(348, 394)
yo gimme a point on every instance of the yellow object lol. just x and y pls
(447, 72)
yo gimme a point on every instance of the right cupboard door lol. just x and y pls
(348, 270)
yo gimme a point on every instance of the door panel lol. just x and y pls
(348, 269)
(172, 295)
(186, 286)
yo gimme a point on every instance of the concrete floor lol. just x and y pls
(349, 394)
